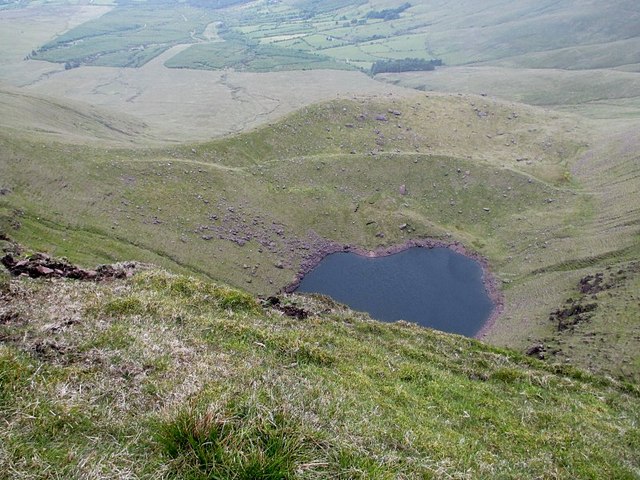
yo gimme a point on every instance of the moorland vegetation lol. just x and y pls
(176, 141)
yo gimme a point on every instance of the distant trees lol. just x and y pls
(389, 13)
(405, 65)
(216, 3)
(71, 64)
(312, 8)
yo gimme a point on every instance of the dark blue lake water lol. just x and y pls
(436, 288)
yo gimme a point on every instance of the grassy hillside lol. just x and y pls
(47, 118)
(164, 376)
(593, 93)
(576, 56)
(542, 196)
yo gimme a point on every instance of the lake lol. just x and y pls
(433, 287)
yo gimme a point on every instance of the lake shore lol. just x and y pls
(488, 279)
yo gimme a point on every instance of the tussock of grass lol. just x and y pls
(154, 376)
(237, 441)
(14, 370)
(199, 292)
(124, 306)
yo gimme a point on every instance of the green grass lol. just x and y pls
(175, 377)
(196, 389)
(126, 36)
(593, 93)
(242, 57)
(509, 185)
(236, 441)
(5, 279)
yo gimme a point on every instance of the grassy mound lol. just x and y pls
(168, 376)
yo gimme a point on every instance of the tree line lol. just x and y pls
(405, 65)
(389, 13)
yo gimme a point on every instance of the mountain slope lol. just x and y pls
(26, 114)
(542, 196)
(163, 375)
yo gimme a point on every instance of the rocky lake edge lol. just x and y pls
(488, 279)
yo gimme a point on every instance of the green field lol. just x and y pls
(255, 40)
(126, 36)
(538, 37)
(241, 56)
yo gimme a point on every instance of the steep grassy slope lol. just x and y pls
(333, 169)
(522, 187)
(163, 376)
(601, 93)
(46, 118)
(612, 173)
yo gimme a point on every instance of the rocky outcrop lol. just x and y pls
(41, 265)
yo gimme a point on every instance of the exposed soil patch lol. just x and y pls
(538, 350)
(41, 265)
(289, 310)
(592, 284)
(580, 310)
(573, 314)
(48, 349)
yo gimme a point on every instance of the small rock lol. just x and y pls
(537, 350)
(90, 274)
(44, 270)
